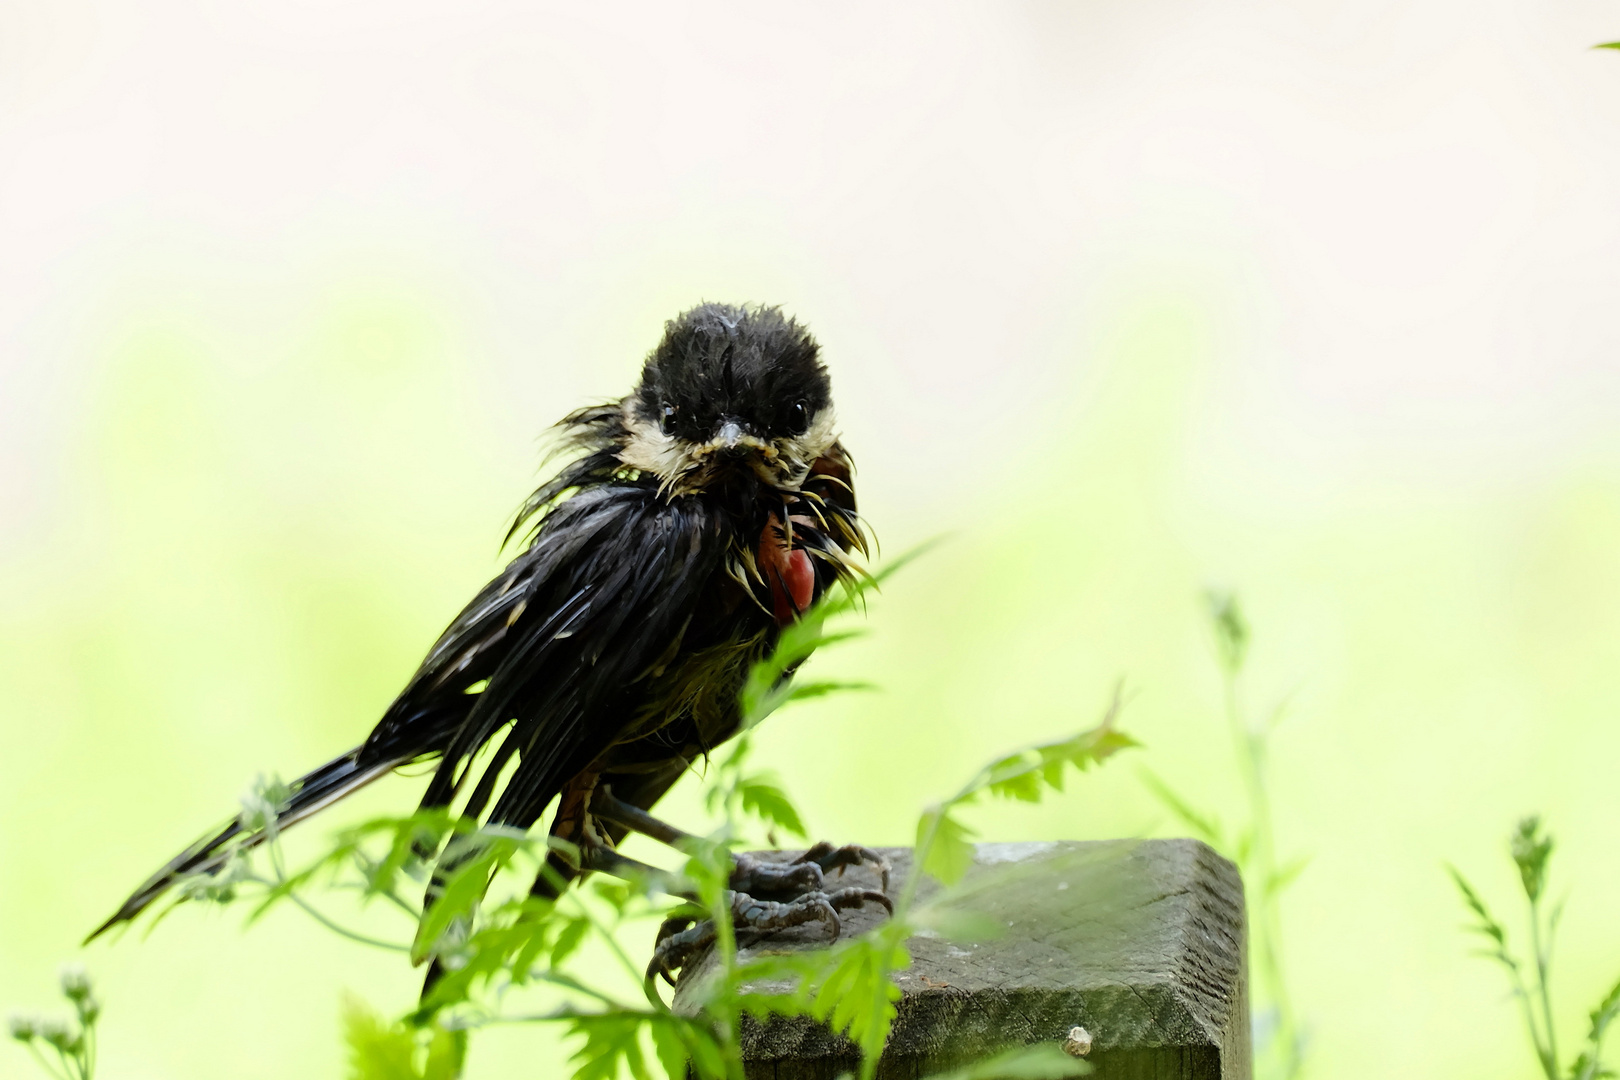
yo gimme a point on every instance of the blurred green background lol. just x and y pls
(1131, 299)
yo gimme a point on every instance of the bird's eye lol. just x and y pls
(801, 418)
(666, 419)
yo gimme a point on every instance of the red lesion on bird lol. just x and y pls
(786, 570)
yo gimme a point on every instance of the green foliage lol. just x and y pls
(379, 1050)
(71, 1043)
(1279, 1035)
(476, 861)
(943, 844)
(857, 996)
(850, 987)
(1231, 631)
(947, 843)
(610, 1041)
(735, 793)
(1588, 1065)
(1531, 851)
(499, 949)
(1203, 826)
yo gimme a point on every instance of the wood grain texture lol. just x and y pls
(1142, 943)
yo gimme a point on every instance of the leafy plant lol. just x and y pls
(1531, 850)
(73, 1042)
(1279, 1037)
(507, 957)
(380, 1050)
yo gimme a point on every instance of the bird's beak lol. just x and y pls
(734, 443)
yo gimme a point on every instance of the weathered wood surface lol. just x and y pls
(1141, 943)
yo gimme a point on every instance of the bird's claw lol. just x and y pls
(682, 937)
(827, 857)
(804, 874)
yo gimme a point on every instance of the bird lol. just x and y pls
(689, 523)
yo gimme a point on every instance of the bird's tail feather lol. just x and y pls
(310, 793)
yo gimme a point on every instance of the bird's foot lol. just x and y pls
(682, 937)
(804, 874)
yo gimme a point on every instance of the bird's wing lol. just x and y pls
(562, 637)
(581, 615)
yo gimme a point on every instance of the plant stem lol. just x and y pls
(726, 940)
(1250, 749)
(1548, 1051)
(612, 941)
(919, 858)
(44, 1062)
(319, 916)
(568, 984)
(1528, 1004)
(398, 901)
(337, 928)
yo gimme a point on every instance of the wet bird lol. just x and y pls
(691, 521)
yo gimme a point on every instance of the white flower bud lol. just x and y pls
(75, 981)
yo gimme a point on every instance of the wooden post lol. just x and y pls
(1130, 953)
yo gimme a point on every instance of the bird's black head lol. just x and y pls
(730, 390)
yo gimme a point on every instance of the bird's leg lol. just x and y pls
(684, 935)
(804, 874)
(604, 860)
(752, 881)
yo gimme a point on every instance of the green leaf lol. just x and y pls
(611, 1040)
(1608, 45)
(1589, 1065)
(511, 941)
(858, 997)
(569, 938)
(1486, 926)
(1017, 777)
(764, 691)
(521, 968)
(615, 892)
(1243, 847)
(1020, 775)
(703, 1049)
(1204, 826)
(1531, 852)
(802, 691)
(1043, 1061)
(1285, 876)
(768, 802)
(670, 1050)
(462, 892)
(377, 1050)
(446, 1056)
(943, 848)
(1231, 630)
(424, 831)
(1606, 1013)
